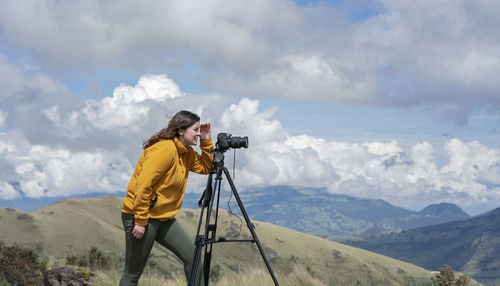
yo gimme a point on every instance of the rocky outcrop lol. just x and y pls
(66, 277)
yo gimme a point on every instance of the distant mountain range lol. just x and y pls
(471, 245)
(334, 216)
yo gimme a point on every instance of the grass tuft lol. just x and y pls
(251, 277)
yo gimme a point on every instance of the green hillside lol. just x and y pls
(471, 246)
(334, 216)
(72, 226)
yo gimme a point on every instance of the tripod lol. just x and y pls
(208, 238)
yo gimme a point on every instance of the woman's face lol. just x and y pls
(190, 135)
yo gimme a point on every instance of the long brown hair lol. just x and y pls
(181, 120)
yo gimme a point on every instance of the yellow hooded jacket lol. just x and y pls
(163, 170)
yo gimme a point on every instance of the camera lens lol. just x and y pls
(239, 142)
(225, 141)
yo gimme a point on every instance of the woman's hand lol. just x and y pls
(205, 131)
(138, 231)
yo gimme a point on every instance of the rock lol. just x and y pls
(65, 277)
(25, 217)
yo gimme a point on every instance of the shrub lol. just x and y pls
(95, 259)
(71, 260)
(446, 277)
(20, 266)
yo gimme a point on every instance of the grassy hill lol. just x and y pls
(334, 216)
(471, 245)
(72, 226)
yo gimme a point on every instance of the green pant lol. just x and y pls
(168, 233)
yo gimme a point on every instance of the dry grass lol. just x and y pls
(107, 278)
(151, 278)
(251, 277)
(259, 276)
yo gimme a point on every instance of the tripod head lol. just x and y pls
(218, 157)
(224, 142)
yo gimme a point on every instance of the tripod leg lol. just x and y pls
(200, 239)
(212, 228)
(196, 260)
(206, 264)
(250, 225)
(207, 239)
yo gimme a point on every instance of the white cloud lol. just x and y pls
(23, 96)
(3, 117)
(312, 77)
(129, 104)
(443, 55)
(96, 150)
(440, 54)
(7, 191)
(93, 145)
(48, 171)
(371, 169)
(113, 32)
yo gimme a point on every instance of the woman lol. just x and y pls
(156, 190)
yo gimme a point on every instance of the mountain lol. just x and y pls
(334, 216)
(471, 245)
(445, 211)
(437, 214)
(72, 226)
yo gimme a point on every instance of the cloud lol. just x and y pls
(8, 192)
(408, 178)
(443, 56)
(91, 146)
(111, 33)
(24, 95)
(128, 107)
(3, 117)
(47, 171)
(99, 141)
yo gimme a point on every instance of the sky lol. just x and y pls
(393, 100)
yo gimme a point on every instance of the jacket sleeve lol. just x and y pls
(201, 164)
(158, 159)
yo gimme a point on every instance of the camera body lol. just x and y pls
(226, 141)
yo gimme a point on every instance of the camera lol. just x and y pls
(226, 141)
